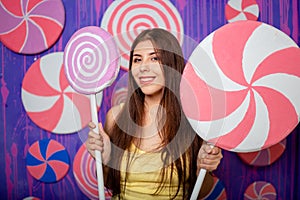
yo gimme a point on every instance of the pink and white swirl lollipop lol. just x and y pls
(126, 19)
(254, 68)
(31, 27)
(236, 10)
(91, 61)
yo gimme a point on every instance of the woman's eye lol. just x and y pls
(136, 60)
(155, 58)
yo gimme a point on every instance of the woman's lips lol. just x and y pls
(145, 80)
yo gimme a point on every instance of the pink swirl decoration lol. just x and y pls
(31, 26)
(245, 85)
(84, 170)
(91, 60)
(126, 19)
(260, 190)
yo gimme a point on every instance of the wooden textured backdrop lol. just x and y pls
(201, 17)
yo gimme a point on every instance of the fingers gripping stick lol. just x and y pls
(199, 181)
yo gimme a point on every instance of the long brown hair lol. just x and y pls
(180, 143)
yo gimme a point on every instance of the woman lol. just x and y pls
(147, 143)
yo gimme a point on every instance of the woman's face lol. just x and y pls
(147, 70)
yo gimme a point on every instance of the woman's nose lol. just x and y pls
(144, 66)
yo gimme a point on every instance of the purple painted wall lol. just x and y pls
(18, 132)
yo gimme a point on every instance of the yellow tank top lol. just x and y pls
(144, 176)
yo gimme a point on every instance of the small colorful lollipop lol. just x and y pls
(237, 76)
(91, 62)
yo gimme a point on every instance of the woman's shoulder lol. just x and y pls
(114, 111)
(112, 115)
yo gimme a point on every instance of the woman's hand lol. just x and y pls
(208, 157)
(100, 142)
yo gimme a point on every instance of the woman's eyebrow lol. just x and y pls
(150, 54)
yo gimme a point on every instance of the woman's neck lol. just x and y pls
(149, 133)
(153, 100)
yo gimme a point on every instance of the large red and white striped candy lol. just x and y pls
(91, 60)
(236, 10)
(50, 101)
(240, 88)
(31, 26)
(126, 19)
(84, 170)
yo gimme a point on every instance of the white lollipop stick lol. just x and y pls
(198, 184)
(91, 62)
(94, 114)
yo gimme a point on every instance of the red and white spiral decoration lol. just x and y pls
(240, 88)
(126, 19)
(236, 10)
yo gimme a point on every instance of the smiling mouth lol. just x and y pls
(146, 80)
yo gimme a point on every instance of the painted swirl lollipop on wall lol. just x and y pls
(50, 101)
(260, 190)
(31, 27)
(85, 174)
(47, 160)
(236, 10)
(126, 19)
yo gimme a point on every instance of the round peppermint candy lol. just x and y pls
(264, 157)
(260, 190)
(47, 160)
(50, 101)
(234, 82)
(31, 27)
(236, 10)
